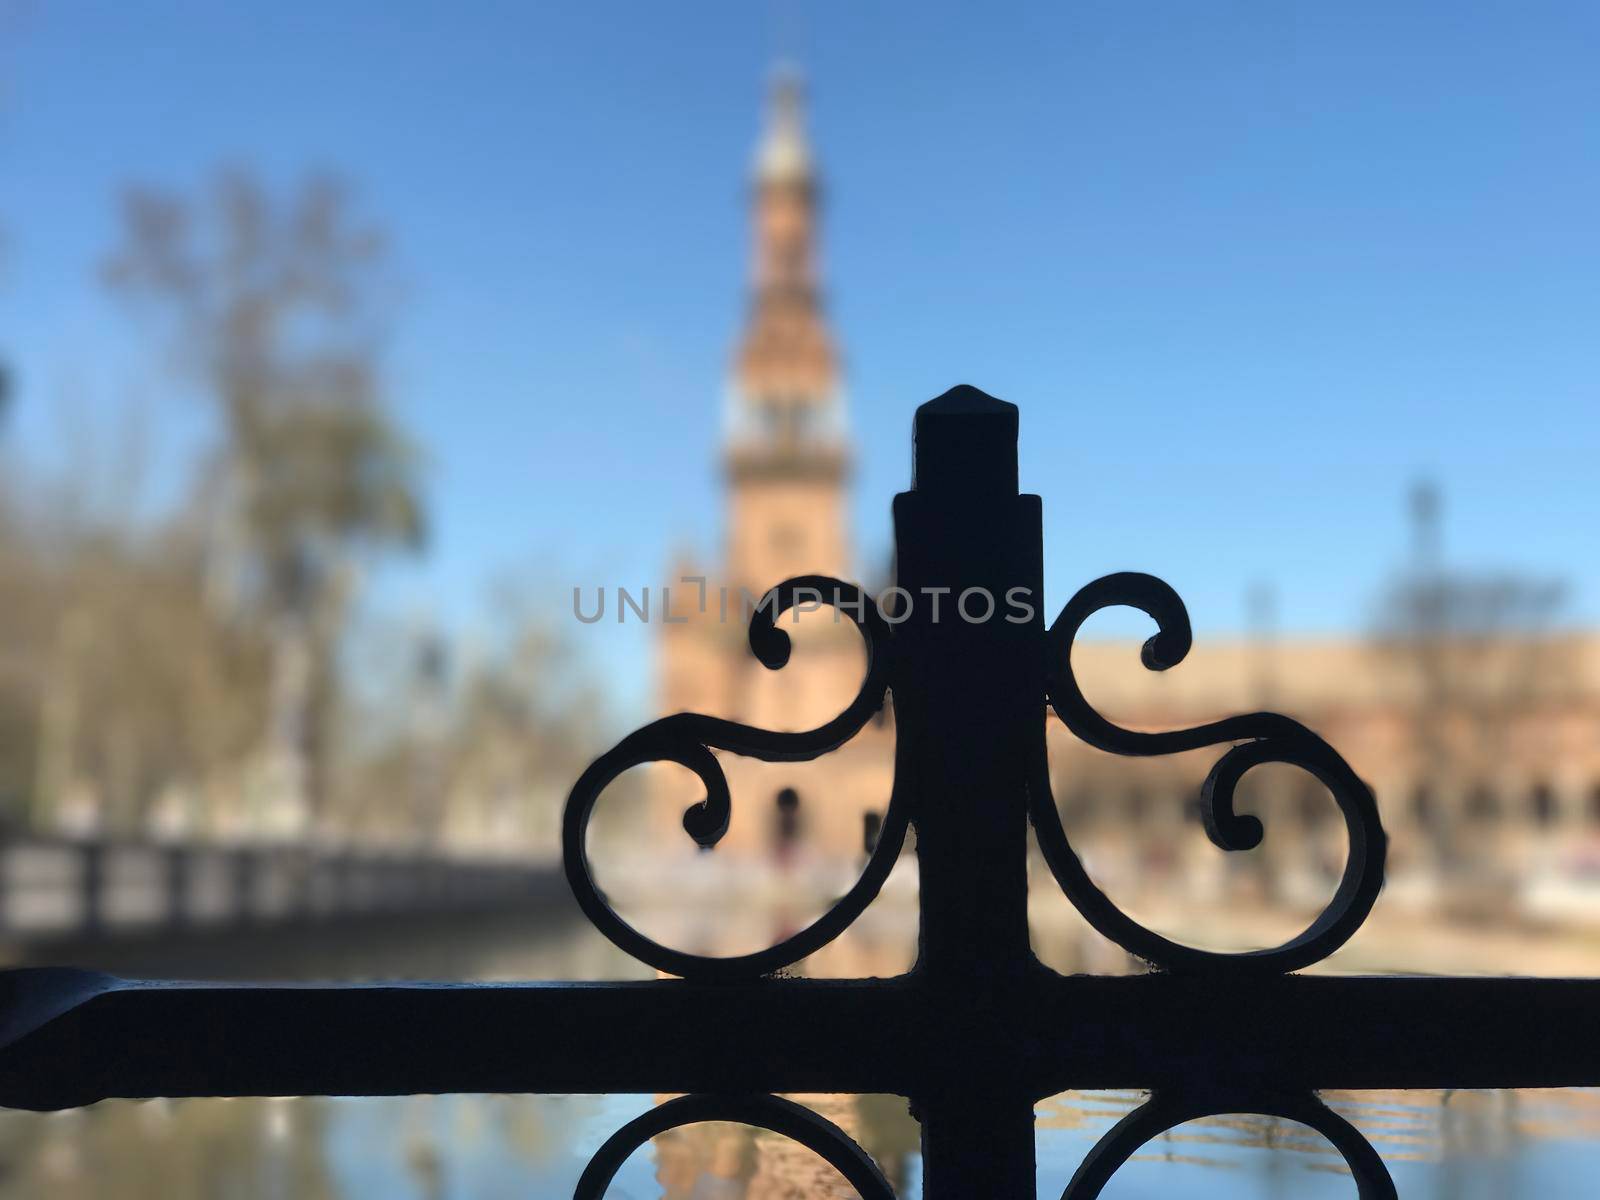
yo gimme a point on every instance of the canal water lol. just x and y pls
(1463, 1145)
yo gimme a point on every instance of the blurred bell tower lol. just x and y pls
(786, 459)
(786, 454)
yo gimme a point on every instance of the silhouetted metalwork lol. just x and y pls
(1255, 739)
(979, 1030)
(688, 739)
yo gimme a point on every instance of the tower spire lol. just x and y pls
(784, 155)
(785, 370)
(786, 457)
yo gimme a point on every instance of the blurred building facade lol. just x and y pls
(1481, 740)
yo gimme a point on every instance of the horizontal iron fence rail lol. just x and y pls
(75, 1037)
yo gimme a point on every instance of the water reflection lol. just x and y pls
(171, 1150)
(724, 1161)
(1493, 1145)
(1461, 1145)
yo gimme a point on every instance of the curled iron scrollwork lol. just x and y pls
(1164, 1111)
(689, 739)
(1258, 738)
(773, 1113)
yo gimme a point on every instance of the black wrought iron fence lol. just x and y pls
(974, 1035)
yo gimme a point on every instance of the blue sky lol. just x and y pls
(1249, 269)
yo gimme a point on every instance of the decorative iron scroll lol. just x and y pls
(1259, 738)
(1165, 1110)
(689, 738)
(773, 1113)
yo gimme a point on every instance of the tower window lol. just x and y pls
(1313, 805)
(1542, 804)
(786, 829)
(871, 830)
(1422, 807)
(1482, 804)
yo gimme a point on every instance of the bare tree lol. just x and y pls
(275, 309)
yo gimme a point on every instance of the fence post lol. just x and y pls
(970, 662)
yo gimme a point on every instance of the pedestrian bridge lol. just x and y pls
(76, 889)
